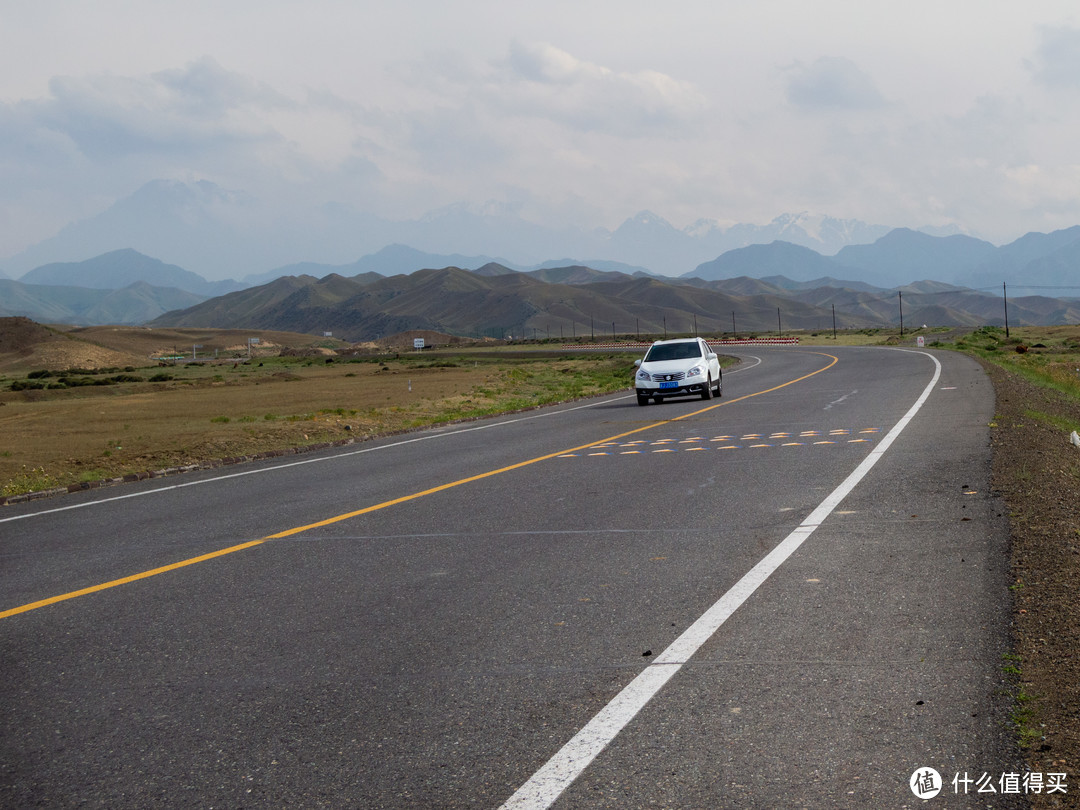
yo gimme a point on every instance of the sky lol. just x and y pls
(581, 113)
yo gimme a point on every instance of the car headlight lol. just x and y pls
(644, 375)
(694, 372)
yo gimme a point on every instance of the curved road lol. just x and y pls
(795, 595)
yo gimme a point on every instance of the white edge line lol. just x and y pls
(334, 457)
(548, 783)
(318, 460)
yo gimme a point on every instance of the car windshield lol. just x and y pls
(673, 351)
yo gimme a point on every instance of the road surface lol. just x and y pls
(792, 596)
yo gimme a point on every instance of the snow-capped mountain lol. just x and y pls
(225, 234)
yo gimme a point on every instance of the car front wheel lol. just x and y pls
(706, 392)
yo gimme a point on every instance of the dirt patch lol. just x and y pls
(25, 344)
(1037, 470)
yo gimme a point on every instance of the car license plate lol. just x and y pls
(669, 385)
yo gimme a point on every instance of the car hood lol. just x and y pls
(673, 366)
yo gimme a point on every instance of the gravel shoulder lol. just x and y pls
(1037, 472)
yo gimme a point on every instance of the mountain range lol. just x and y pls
(492, 301)
(495, 301)
(220, 233)
(903, 255)
(136, 303)
(386, 291)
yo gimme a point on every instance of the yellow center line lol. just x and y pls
(52, 600)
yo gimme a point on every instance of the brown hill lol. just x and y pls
(26, 345)
(464, 303)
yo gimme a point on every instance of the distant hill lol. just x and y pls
(401, 260)
(392, 260)
(775, 259)
(903, 255)
(742, 285)
(577, 274)
(1039, 258)
(456, 301)
(495, 299)
(825, 281)
(603, 265)
(121, 268)
(135, 304)
(492, 303)
(1043, 271)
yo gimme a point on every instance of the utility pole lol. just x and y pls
(1005, 295)
(901, 312)
(779, 326)
(834, 321)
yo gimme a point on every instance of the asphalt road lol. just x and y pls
(793, 596)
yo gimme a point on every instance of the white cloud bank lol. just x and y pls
(580, 116)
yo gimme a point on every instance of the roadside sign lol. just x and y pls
(920, 341)
(418, 343)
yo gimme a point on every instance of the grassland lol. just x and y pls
(69, 426)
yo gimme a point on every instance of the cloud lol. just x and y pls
(198, 108)
(93, 139)
(542, 81)
(1058, 57)
(831, 83)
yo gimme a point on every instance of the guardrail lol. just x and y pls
(755, 342)
(642, 346)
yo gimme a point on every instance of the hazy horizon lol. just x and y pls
(567, 116)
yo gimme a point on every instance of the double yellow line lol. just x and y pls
(52, 600)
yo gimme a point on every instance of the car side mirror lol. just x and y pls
(637, 364)
(712, 355)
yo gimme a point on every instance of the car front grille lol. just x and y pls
(681, 375)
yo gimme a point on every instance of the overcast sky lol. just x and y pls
(582, 112)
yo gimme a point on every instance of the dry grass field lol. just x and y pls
(65, 426)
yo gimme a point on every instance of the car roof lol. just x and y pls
(675, 340)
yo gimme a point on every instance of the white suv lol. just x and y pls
(677, 368)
